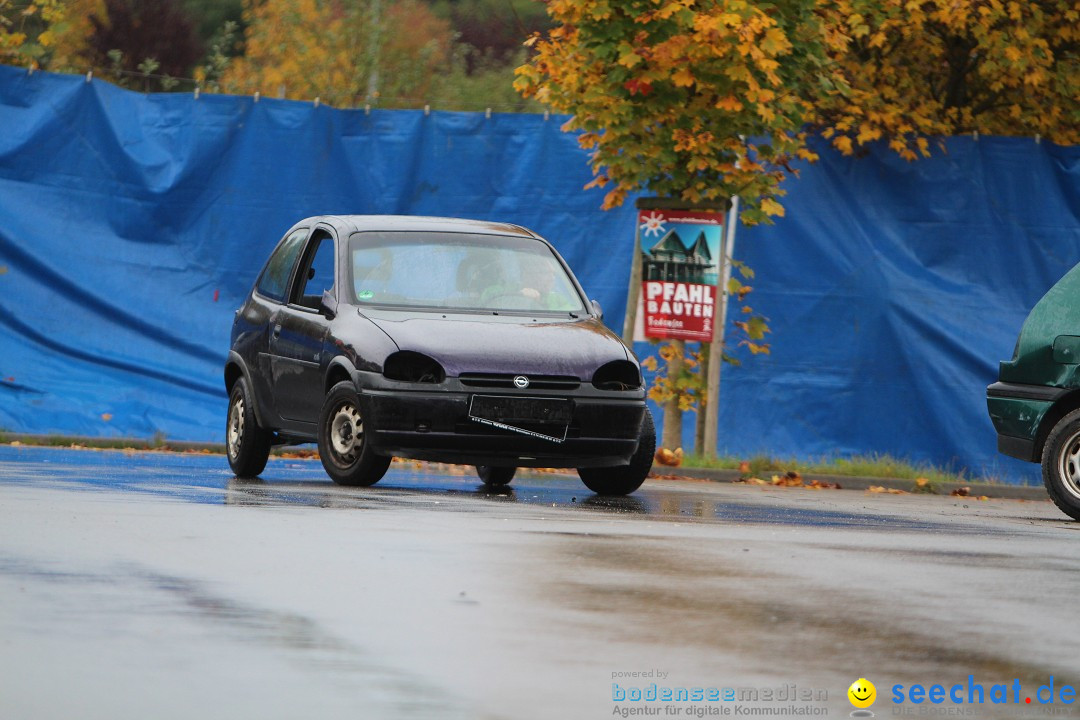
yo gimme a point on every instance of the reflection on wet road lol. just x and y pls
(203, 479)
(158, 585)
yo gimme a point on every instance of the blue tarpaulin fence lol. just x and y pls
(132, 225)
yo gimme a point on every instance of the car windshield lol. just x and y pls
(459, 271)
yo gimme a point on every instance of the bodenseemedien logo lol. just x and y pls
(789, 700)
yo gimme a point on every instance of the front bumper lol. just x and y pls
(435, 425)
(1017, 411)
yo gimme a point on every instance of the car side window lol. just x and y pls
(275, 277)
(317, 271)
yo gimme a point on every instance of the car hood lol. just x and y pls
(504, 343)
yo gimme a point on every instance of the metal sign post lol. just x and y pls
(633, 293)
(716, 348)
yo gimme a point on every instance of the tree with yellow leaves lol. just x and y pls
(28, 32)
(690, 100)
(345, 52)
(699, 100)
(905, 71)
(664, 90)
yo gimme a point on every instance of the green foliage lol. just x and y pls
(494, 29)
(217, 59)
(28, 31)
(145, 44)
(211, 16)
(872, 465)
(476, 81)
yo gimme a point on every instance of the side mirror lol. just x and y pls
(596, 309)
(328, 306)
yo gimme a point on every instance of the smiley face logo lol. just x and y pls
(862, 693)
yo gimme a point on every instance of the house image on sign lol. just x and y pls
(670, 260)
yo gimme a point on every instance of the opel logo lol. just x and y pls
(521, 382)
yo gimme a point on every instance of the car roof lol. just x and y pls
(416, 223)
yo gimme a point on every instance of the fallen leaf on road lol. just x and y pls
(887, 491)
(300, 455)
(788, 479)
(751, 481)
(671, 458)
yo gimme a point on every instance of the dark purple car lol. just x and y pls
(437, 339)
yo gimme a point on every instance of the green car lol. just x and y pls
(1035, 405)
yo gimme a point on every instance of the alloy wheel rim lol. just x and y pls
(236, 426)
(1069, 465)
(346, 433)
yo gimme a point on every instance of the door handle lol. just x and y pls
(277, 331)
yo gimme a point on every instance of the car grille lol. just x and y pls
(504, 380)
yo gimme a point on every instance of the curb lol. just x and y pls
(110, 443)
(851, 482)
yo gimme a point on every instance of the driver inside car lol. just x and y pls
(535, 291)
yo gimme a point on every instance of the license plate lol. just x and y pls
(555, 411)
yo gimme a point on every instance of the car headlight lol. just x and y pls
(617, 375)
(408, 366)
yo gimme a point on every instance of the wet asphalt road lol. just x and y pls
(141, 585)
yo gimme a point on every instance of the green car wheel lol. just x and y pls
(1061, 464)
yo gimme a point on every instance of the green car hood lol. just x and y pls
(1048, 351)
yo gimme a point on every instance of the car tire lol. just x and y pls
(495, 476)
(346, 456)
(247, 444)
(1061, 464)
(625, 479)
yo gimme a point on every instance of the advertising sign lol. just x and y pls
(680, 269)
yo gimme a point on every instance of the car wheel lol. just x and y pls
(247, 445)
(1061, 464)
(495, 475)
(345, 454)
(625, 479)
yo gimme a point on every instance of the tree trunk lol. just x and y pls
(702, 421)
(672, 437)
